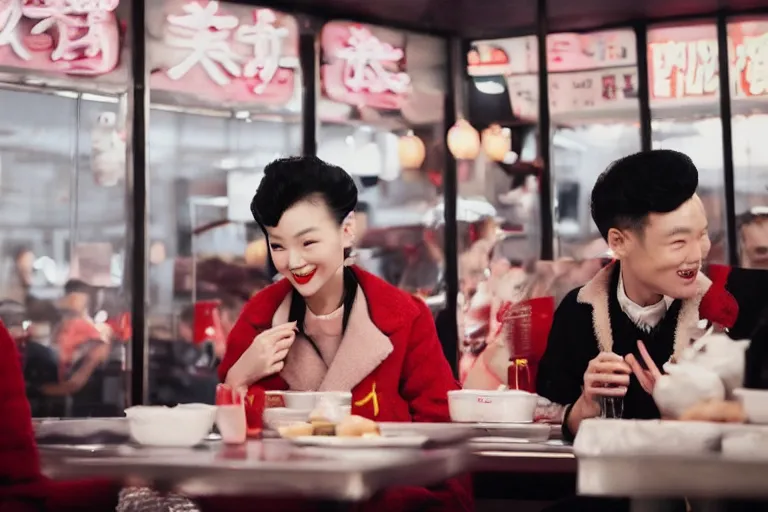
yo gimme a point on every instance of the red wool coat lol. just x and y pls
(22, 486)
(391, 360)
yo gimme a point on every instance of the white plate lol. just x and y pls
(506, 426)
(361, 442)
(531, 432)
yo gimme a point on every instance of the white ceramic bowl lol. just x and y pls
(276, 417)
(307, 400)
(181, 426)
(755, 402)
(478, 406)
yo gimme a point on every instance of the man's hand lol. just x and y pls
(606, 375)
(646, 376)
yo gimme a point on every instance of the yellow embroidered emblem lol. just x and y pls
(250, 399)
(370, 397)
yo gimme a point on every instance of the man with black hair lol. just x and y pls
(645, 306)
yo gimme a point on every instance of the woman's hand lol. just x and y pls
(646, 376)
(265, 356)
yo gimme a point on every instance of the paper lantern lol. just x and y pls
(497, 142)
(256, 253)
(463, 141)
(157, 253)
(411, 151)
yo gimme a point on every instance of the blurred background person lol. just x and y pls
(753, 237)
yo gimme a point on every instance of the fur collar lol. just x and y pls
(363, 347)
(596, 294)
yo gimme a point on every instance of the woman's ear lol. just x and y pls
(348, 230)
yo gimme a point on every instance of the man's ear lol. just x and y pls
(618, 242)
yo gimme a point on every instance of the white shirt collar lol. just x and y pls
(645, 317)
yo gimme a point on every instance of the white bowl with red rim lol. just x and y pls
(480, 406)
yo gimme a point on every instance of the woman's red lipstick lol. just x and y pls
(305, 278)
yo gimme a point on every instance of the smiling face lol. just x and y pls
(307, 245)
(665, 258)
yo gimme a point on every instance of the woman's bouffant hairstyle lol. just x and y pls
(633, 187)
(288, 181)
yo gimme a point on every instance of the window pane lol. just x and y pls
(683, 81)
(220, 112)
(750, 153)
(595, 120)
(64, 201)
(382, 121)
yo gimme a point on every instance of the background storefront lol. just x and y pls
(129, 152)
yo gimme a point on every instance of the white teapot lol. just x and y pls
(722, 355)
(710, 369)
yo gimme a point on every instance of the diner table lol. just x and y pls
(541, 464)
(518, 469)
(647, 480)
(269, 467)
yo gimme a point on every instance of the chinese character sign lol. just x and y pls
(76, 37)
(683, 61)
(362, 70)
(228, 53)
(681, 69)
(749, 58)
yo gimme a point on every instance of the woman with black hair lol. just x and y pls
(327, 326)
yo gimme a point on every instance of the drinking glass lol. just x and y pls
(611, 407)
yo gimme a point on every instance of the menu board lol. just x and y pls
(587, 72)
(592, 90)
(596, 50)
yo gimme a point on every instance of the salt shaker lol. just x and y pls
(230, 414)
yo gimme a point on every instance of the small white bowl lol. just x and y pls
(308, 400)
(276, 417)
(182, 426)
(478, 406)
(755, 402)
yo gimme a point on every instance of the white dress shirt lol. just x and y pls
(645, 317)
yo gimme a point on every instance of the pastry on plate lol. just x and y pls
(296, 430)
(357, 426)
(718, 411)
(323, 428)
